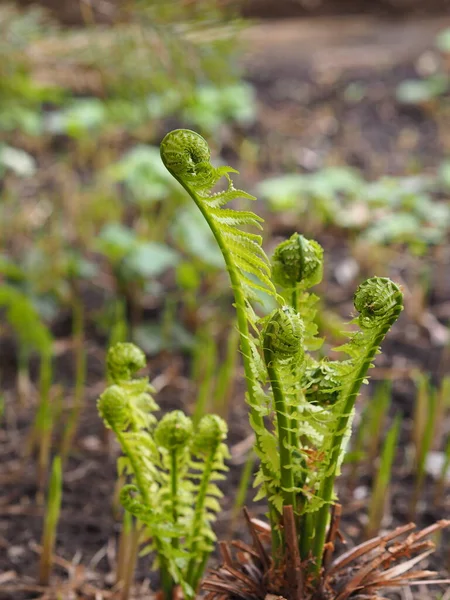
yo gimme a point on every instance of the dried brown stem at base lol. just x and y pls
(247, 572)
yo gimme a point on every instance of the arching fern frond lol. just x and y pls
(186, 155)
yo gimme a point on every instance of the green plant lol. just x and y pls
(172, 469)
(366, 443)
(309, 402)
(31, 332)
(51, 521)
(382, 480)
(426, 92)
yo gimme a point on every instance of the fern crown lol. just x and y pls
(283, 333)
(297, 261)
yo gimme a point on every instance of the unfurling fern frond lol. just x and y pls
(379, 302)
(297, 265)
(297, 262)
(123, 361)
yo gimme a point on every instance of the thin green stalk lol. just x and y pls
(244, 485)
(174, 491)
(425, 447)
(123, 550)
(224, 382)
(358, 453)
(420, 410)
(206, 377)
(294, 298)
(378, 408)
(382, 481)
(197, 522)
(130, 566)
(51, 522)
(44, 418)
(80, 377)
(306, 535)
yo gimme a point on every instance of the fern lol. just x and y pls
(171, 471)
(300, 407)
(379, 302)
(186, 155)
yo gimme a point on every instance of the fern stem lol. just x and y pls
(140, 480)
(283, 426)
(294, 298)
(174, 492)
(306, 535)
(197, 522)
(167, 582)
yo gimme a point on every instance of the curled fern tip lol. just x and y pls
(297, 261)
(174, 430)
(183, 151)
(283, 333)
(123, 360)
(378, 298)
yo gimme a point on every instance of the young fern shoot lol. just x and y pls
(170, 500)
(301, 408)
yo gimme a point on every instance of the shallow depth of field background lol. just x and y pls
(337, 116)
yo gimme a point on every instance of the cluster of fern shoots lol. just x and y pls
(172, 466)
(301, 407)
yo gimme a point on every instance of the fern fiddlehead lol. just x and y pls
(379, 302)
(123, 361)
(297, 263)
(174, 433)
(312, 400)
